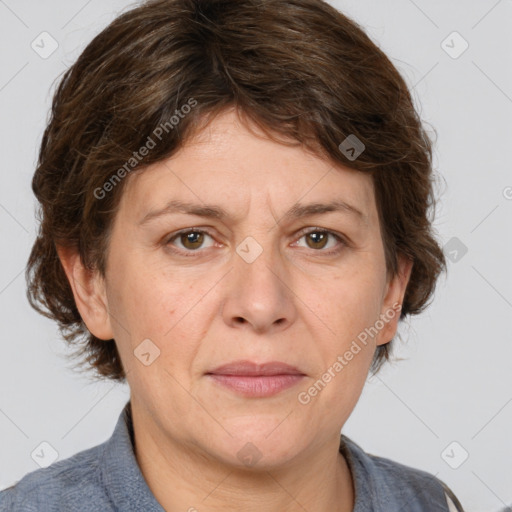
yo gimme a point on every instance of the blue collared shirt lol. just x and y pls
(107, 478)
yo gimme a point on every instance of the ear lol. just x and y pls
(89, 293)
(393, 300)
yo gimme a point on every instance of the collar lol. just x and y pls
(120, 472)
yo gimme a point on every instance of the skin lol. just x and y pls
(294, 303)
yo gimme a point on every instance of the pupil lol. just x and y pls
(318, 237)
(189, 238)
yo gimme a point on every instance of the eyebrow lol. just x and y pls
(216, 212)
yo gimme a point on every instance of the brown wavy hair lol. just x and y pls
(300, 69)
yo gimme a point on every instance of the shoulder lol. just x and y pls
(64, 485)
(414, 484)
(389, 482)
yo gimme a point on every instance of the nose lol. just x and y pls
(260, 295)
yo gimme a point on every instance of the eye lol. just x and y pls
(190, 239)
(318, 238)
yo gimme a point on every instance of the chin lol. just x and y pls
(260, 446)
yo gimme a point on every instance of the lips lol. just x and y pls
(256, 380)
(252, 369)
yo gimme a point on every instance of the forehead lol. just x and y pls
(228, 165)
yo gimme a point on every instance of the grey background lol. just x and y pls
(454, 383)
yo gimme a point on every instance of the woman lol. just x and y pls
(234, 217)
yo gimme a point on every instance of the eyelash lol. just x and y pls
(189, 253)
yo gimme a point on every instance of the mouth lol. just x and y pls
(253, 369)
(256, 379)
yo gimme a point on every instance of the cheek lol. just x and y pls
(146, 305)
(142, 308)
(152, 310)
(168, 311)
(349, 305)
(348, 308)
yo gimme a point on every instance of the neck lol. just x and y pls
(182, 477)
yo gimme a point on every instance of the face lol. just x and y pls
(257, 277)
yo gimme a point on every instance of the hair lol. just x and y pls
(299, 69)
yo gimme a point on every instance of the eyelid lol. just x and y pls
(317, 229)
(176, 234)
(305, 231)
